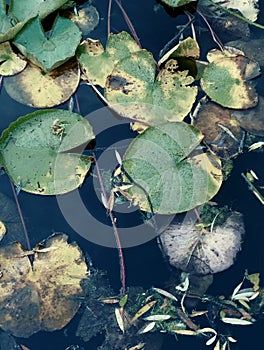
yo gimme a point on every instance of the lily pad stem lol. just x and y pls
(20, 214)
(116, 233)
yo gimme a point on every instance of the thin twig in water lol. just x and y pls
(116, 233)
(109, 18)
(20, 214)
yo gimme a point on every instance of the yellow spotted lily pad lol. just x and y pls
(187, 48)
(10, 63)
(37, 151)
(225, 81)
(43, 294)
(133, 84)
(99, 63)
(167, 173)
(37, 89)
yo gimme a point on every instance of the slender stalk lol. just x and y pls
(214, 36)
(20, 214)
(109, 18)
(129, 23)
(116, 233)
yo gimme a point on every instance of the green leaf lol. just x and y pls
(20, 11)
(25, 9)
(36, 151)
(225, 81)
(48, 53)
(167, 175)
(99, 63)
(166, 98)
(176, 3)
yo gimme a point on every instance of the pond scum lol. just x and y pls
(207, 122)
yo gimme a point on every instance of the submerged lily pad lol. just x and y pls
(10, 63)
(36, 151)
(37, 89)
(225, 82)
(86, 19)
(167, 174)
(222, 132)
(99, 63)
(10, 217)
(48, 53)
(201, 251)
(45, 294)
(252, 119)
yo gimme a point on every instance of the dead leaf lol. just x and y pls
(44, 295)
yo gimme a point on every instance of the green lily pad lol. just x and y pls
(25, 9)
(36, 151)
(167, 174)
(48, 53)
(20, 11)
(132, 84)
(225, 81)
(99, 63)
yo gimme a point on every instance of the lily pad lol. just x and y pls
(36, 151)
(45, 294)
(201, 251)
(48, 53)
(252, 119)
(99, 63)
(24, 9)
(186, 48)
(222, 132)
(167, 174)
(133, 82)
(248, 8)
(225, 82)
(20, 11)
(10, 63)
(36, 89)
(87, 18)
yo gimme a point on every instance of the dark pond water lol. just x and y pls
(145, 265)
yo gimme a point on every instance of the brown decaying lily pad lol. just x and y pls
(44, 295)
(252, 120)
(222, 133)
(37, 89)
(200, 251)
